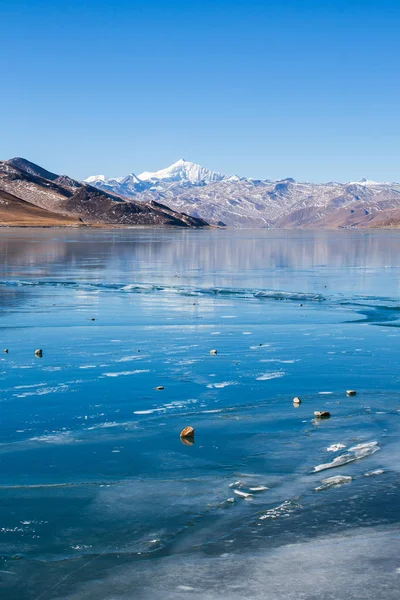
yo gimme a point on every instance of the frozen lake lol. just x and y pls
(99, 497)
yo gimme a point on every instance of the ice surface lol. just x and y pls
(354, 567)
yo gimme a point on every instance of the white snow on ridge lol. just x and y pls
(368, 182)
(183, 170)
(128, 186)
(95, 179)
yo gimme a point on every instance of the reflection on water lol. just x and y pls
(188, 441)
(234, 258)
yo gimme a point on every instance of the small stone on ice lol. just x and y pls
(351, 392)
(39, 353)
(159, 387)
(296, 400)
(6, 350)
(322, 414)
(188, 432)
(213, 352)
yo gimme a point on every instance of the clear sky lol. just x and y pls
(276, 88)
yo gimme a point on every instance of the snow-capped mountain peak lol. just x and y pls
(128, 186)
(94, 179)
(364, 181)
(131, 178)
(183, 171)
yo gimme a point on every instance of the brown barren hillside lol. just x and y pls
(18, 213)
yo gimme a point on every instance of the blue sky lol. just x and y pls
(282, 88)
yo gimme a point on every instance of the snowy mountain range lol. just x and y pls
(181, 172)
(245, 202)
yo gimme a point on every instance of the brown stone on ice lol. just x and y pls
(322, 414)
(188, 432)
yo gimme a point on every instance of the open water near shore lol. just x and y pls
(99, 497)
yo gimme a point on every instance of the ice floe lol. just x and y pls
(123, 373)
(130, 358)
(277, 360)
(282, 510)
(271, 375)
(354, 453)
(335, 447)
(42, 391)
(331, 481)
(223, 384)
(245, 495)
(376, 472)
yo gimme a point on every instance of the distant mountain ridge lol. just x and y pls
(31, 195)
(247, 202)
